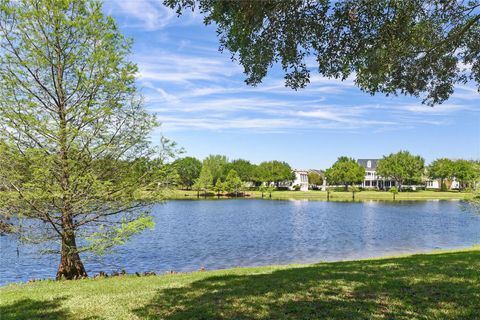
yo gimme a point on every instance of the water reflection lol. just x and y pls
(226, 233)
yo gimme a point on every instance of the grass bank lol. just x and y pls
(340, 196)
(441, 285)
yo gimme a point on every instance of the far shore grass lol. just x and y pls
(439, 285)
(334, 196)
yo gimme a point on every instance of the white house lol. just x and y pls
(301, 179)
(372, 180)
(435, 184)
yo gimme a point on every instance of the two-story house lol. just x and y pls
(372, 179)
(301, 180)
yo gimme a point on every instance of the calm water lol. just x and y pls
(226, 233)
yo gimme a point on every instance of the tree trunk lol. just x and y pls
(71, 266)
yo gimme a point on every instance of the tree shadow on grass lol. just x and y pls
(441, 286)
(34, 309)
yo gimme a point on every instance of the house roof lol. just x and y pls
(365, 163)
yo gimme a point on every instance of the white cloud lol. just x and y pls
(466, 93)
(145, 14)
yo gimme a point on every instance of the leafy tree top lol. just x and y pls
(414, 47)
(188, 169)
(205, 179)
(466, 171)
(401, 166)
(274, 171)
(315, 178)
(233, 181)
(245, 169)
(345, 171)
(217, 165)
(441, 169)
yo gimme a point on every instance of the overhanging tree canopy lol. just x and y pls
(415, 47)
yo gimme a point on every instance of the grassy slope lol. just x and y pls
(341, 196)
(443, 285)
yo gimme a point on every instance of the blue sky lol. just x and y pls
(201, 99)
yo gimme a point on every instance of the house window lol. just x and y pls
(367, 183)
(369, 164)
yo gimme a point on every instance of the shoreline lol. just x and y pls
(334, 196)
(122, 273)
(441, 284)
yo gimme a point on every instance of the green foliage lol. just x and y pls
(216, 164)
(466, 172)
(393, 191)
(401, 166)
(106, 238)
(353, 189)
(441, 169)
(270, 189)
(74, 135)
(204, 181)
(315, 179)
(345, 171)
(188, 169)
(233, 183)
(219, 186)
(409, 47)
(245, 169)
(274, 171)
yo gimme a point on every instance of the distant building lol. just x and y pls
(372, 180)
(435, 184)
(301, 180)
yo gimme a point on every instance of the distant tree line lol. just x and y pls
(219, 174)
(216, 173)
(406, 169)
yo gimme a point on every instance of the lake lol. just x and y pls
(216, 234)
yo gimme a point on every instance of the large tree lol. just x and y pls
(466, 172)
(233, 183)
(345, 171)
(274, 172)
(74, 149)
(217, 165)
(204, 181)
(188, 169)
(244, 168)
(315, 178)
(401, 167)
(415, 47)
(441, 169)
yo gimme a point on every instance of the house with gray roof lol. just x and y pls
(372, 179)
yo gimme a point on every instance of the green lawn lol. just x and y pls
(341, 196)
(441, 285)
